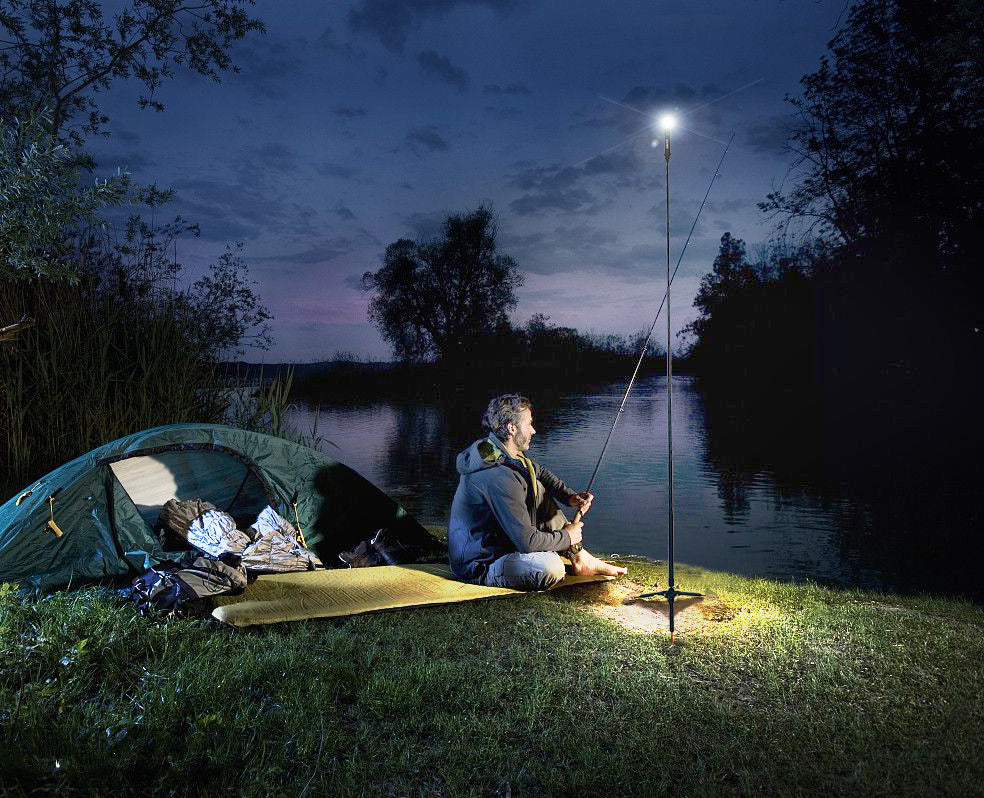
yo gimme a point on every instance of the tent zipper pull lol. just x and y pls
(51, 512)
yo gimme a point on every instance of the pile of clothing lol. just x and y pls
(218, 558)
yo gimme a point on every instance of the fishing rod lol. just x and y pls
(645, 346)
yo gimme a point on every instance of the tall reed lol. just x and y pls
(94, 367)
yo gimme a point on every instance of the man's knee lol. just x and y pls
(546, 570)
(553, 570)
(536, 571)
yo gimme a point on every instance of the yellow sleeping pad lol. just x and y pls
(274, 598)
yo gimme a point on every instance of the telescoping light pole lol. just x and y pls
(666, 124)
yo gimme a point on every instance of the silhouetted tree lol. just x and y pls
(756, 319)
(890, 158)
(724, 301)
(57, 54)
(432, 300)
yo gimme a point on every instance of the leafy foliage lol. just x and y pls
(436, 299)
(41, 198)
(60, 53)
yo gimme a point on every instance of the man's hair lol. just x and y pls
(504, 410)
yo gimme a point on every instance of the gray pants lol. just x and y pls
(538, 570)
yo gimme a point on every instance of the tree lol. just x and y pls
(57, 54)
(889, 152)
(756, 319)
(723, 298)
(41, 199)
(432, 300)
(887, 122)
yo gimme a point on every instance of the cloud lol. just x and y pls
(329, 43)
(769, 136)
(572, 189)
(278, 157)
(580, 246)
(437, 66)
(426, 225)
(216, 221)
(426, 139)
(390, 21)
(343, 212)
(324, 250)
(330, 169)
(567, 200)
(265, 64)
(132, 162)
(354, 281)
(504, 111)
(127, 136)
(326, 39)
(243, 209)
(514, 89)
(349, 112)
(551, 188)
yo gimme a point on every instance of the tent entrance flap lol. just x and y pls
(151, 480)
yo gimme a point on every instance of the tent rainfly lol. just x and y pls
(93, 518)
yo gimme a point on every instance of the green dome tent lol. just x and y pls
(104, 504)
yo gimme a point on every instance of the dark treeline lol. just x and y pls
(443, 306)
(874, 289)
(537, 358)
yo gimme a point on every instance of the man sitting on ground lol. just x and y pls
(506, 529)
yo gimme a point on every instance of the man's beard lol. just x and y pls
(522, 443)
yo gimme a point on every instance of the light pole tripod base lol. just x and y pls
(670, 594)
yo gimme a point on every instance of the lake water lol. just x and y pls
(781, 496)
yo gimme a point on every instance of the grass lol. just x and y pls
(772, 689)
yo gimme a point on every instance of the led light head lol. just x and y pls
(667, 122)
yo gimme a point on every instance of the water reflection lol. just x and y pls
(762, 490)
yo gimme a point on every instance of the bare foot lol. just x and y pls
(586, 564)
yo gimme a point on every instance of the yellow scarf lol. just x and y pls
(526, 462)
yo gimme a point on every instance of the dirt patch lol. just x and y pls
(619, 601)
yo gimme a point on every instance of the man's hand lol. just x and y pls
(573, 528)
(587, 564)
(581, 502)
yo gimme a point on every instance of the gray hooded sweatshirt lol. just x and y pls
(494, 511)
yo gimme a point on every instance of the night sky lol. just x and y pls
(354, 124)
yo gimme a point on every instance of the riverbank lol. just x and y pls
(769, 688)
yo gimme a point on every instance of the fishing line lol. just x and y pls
(645, 346)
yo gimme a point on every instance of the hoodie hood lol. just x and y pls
(483, 453)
